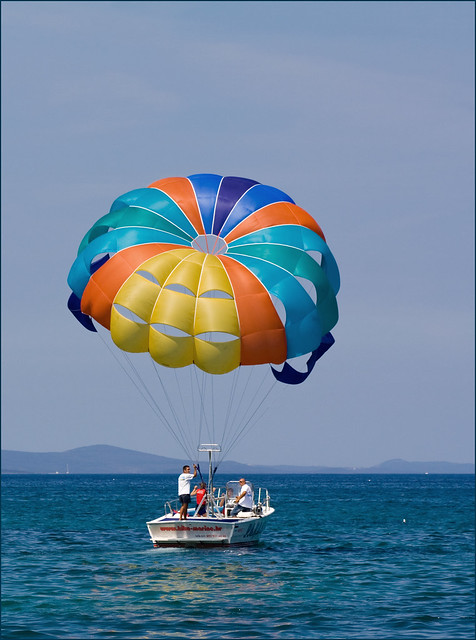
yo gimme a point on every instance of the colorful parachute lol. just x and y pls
(209, 270)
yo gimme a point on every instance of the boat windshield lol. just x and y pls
(233, 489)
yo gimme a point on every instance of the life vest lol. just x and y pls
(200, 494)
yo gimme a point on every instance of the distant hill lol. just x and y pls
(104, 459)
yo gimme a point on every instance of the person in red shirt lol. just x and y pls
(200, 492)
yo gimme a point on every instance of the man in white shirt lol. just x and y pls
(184, 489)
(244, 502)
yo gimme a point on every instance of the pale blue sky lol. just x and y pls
(363, 112)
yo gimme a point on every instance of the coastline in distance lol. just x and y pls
(106, 459)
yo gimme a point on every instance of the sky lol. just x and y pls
(363, 112)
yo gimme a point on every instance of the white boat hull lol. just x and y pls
(170, 531)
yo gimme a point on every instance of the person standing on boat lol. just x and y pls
(200, 492)
(184, 489)
(244, 501)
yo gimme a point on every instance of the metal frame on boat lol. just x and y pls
(217, 527)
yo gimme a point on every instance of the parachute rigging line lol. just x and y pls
(200, 386)
(144, 391)
(244, 431)
(180, 386)
(238, 423)
(231, 398)
(170, 404)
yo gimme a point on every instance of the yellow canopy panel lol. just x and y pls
(145, 313)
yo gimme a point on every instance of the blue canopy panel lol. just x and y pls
(74, 305)
(289, 375)
(158, 202)
(136, 216)
(206, 187)
(257, 197)
(305, 269)
(231, 190)
(294, 236)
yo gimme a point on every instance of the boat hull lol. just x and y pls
(169, 531)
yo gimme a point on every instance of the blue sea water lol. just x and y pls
(344, 556)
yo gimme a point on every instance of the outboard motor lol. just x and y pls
(258, 509)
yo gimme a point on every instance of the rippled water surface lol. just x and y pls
(344, 556)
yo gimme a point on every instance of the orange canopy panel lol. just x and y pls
(181, 191)
(272, 215)
(263, 338)
(103, 285)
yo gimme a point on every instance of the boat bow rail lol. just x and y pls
(223, 501)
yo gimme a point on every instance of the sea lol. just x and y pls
(343, 556)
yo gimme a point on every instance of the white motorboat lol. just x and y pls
(217, 527)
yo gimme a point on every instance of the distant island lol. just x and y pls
(105, 459)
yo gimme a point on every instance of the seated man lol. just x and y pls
(244, 502)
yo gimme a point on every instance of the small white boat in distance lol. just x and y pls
(217, 527)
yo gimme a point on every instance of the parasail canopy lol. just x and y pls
(212, 271)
